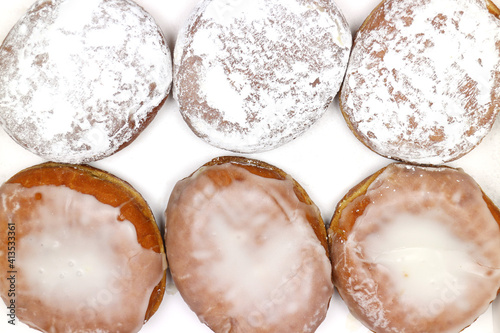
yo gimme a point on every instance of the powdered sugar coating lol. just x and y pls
(252, 75)
(80, 79)
(422, 83)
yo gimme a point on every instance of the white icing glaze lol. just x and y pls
(80, 265)
(423, 255)
(250, 246)
(424, 86)
(252, 75)
(78, 84)
(423, 259)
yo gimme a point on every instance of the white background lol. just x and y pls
(328, 160)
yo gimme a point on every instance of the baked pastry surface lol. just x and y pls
(422, 83)
(247, 249)
(415, 249)
(86, 252)
(81, 79)
(250, 76)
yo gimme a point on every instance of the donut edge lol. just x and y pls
(336, 234)
(135, 133)
(267, 170)
(492, 8)
(82, 171)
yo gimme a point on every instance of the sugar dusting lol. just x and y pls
(80, 78)
(253, 75)
(424, 87)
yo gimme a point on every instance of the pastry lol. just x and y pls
(83, 248)
(416, 249)
(81, 79)
(247, 248)
(422, 84)
(250, 76)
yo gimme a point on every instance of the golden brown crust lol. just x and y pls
(493, 8)
(269, 171)
(334, 231)
(352, 206)
(495, 211)
(109, 190)
(369, 19)
(360, 189)
(250, 216)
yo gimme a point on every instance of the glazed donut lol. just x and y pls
(250, 76)
(416, 249)
(423, 82)
(247, 248)
(85, 252)
(81, 79)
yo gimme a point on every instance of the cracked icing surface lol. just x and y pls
(243, 254)
(80, 79)
(79, 265)
(422, 83)
(253, 75)
(418, 252)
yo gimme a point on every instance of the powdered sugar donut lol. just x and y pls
(252, 75)
(85, 252)
(247, 249)
(80, 79)
(423, 81)
(416, 249)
